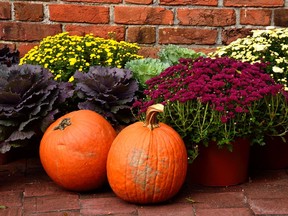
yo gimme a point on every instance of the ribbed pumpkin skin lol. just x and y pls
(147, 166)
(75, 158)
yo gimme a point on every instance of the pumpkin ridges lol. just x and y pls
(139, 195)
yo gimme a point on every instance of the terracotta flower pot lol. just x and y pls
(272, 156)
(221, 167)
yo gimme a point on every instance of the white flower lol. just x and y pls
(277, 69)
(259, 47)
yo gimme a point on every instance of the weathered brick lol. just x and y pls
(187, 36)
(25, 47)
(229, 35)
(106, 206)
(79, 13)
(281, 17)
(50, 203)
(142, 2)
(11, 46)
(5, 10)
(141, 35)
(206, 17)
(149, 51)
(19, 31)
(95, 1)
(143, 15)
(189, 2)
(97, 30)
(255, 17)
(28, 11)
(254, 3)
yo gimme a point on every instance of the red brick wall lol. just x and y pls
(197, 24)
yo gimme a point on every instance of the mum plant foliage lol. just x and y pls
(29, 98)
(269, 46)
(218, 100)
(63, 54)
(108, 91)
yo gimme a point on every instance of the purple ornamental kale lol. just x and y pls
(108, 91)
(29, 98)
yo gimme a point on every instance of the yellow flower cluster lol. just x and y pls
(270, 45)
(63, 54)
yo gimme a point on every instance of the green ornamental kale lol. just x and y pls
(108, 91)
(144, 69)
(172, 53)
(28, 103)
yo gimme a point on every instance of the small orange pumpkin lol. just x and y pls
(74, 149)
(147, 163)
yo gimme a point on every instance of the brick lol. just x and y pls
(143, 15)
(232, 34)
(148, 51)
(15, 211)
(25, 47)
(254, 3)
(167, 210)
(27, 31)
(206, 17)
(142, 2)
(255, 17)
(5, 10)
(43, 189)
(190, 2)
(281, 17)
(97, 30)
(219, 200)
(141, 35)
(28, 11)
(106, 206)
(95, 1)
(204, 49)
(11, 198)
(50, 203)
(269, 206)
(224, 212)
(187, 36)
(79, 13)
(269, 190)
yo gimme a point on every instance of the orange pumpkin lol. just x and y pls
(147, 162)
(74, 149)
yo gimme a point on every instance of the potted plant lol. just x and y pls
(269, 46)
(215, 102)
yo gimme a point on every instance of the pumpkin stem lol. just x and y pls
(151, 121)
(63, 124)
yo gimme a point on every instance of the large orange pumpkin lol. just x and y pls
(147, 162)
(74, 149)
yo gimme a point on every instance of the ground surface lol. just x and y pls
(25, 189)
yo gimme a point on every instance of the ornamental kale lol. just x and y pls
(172, 53)
(216, 99)
(144, 69)
(9, 57)
(28, 104)
(108, 91)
